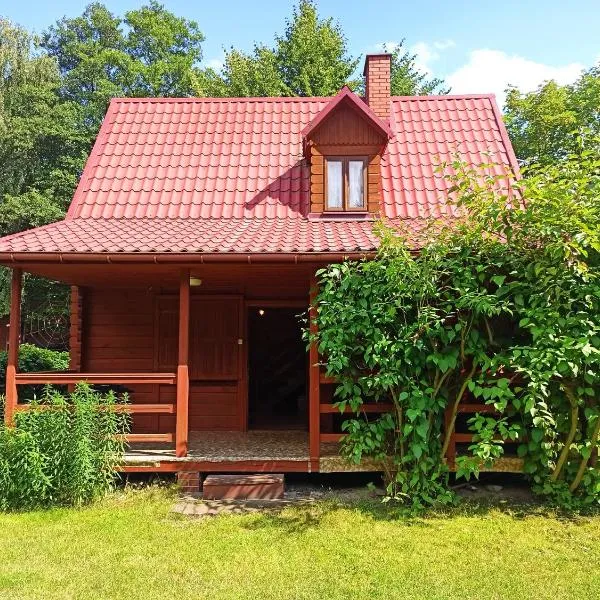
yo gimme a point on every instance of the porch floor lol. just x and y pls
(229, 446)
(233, 451)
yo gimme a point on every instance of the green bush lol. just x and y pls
(63, 451)
(32, 359)
(502, 308)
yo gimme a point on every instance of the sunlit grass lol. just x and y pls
(131, 546)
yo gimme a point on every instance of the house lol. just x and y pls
(191, 246)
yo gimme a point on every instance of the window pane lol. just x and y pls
(356, 184)
(334, 184)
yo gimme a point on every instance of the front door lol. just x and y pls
(217, 392)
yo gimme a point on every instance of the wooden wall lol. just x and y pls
(346, 127)
(135, 330)
(118, 336)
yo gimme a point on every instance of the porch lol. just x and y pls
(186, 343)
(211, 356)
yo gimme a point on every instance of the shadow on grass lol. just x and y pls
(299, 518)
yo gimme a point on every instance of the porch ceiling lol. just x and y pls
(253, 280)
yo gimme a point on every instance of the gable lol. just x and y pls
(346, 127)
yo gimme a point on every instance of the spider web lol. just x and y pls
(48, 325)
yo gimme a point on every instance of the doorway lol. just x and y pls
(277, 369)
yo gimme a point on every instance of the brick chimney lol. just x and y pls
(377, 83)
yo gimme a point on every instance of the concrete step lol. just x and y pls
(243, 487)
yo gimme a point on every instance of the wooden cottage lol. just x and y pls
(191, 246)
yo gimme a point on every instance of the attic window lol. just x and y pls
(345, 188)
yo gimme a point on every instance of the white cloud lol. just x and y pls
(491, 71)
(425, 54)
(444, 44)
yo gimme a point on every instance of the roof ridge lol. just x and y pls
(191, 99)
(194, 99)
(446, 97)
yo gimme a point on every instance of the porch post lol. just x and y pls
(314, 409)
(183, 380)
(14, 332)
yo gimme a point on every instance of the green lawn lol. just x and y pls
(130, 546)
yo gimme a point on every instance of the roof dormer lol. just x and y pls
(344, 144)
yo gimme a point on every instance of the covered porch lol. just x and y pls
(180, 339)
(205, 385)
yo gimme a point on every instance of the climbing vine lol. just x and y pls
(502, 307)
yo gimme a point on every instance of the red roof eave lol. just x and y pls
(22, 258)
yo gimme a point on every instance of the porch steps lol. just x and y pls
(262, 486)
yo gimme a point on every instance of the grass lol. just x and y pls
(131, 546)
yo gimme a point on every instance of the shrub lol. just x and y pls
(32, 359)
(63, 451)
(503, 306)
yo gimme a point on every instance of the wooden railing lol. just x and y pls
(71, 378)
(332, 408)
(455, 437)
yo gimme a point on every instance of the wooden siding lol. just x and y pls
(118, 336)
(136, 330)
(75, 329)
(344, 126)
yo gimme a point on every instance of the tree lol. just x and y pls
(541, 123)
(309, 59)
(501, 308)
(407, 80)
(150, 52)
(312, 54)
(243, 75)
(42, 151)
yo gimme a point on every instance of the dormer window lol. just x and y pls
(345, 187)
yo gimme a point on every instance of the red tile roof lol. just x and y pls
(228, 175)
(189, 235)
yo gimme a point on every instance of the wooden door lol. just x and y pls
(217, 393)
(215, 335)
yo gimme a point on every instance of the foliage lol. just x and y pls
(310, 59)
(148, 52)
(541, 123)
(502, 307)
(41, 149)
(63, 451)
(405, 77)
(34, 359)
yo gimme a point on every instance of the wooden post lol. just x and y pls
(14, 333)
(449, 431)
(183, 378)
(314, 386)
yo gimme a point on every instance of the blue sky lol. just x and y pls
(476, 45)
